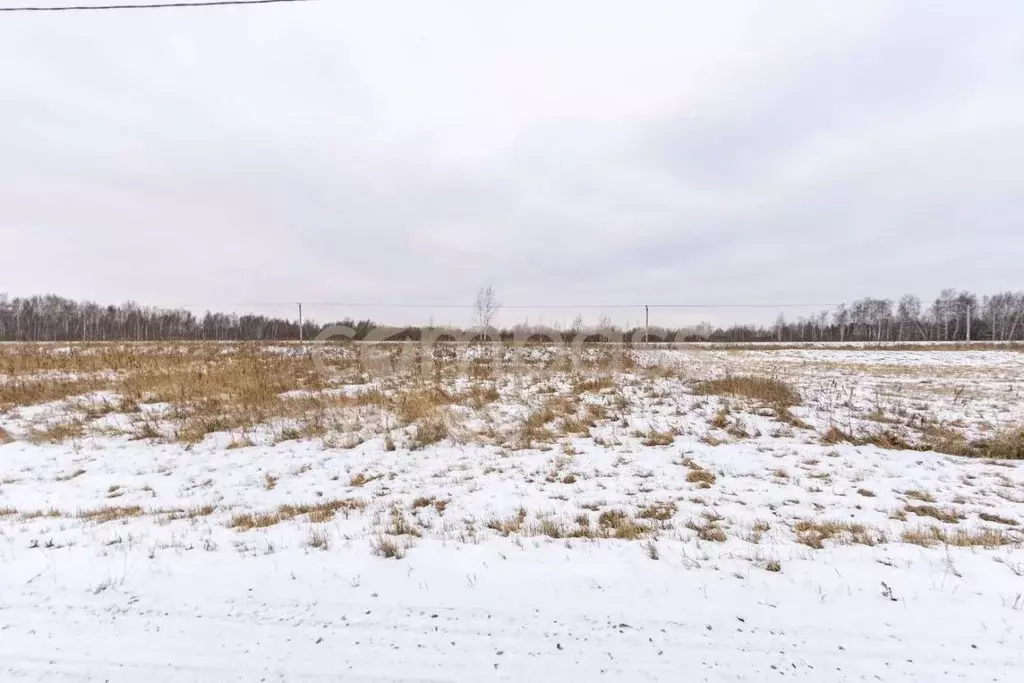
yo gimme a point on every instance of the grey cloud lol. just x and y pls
(742, 154)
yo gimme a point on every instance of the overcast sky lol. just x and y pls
(591, 152)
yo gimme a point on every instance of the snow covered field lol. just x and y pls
(225, 512)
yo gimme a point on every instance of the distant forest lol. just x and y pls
(952, 316)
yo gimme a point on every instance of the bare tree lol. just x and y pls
(999, 317)
(909, 311)
(485, 309)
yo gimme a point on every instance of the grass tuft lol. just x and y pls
(763, 389)
(660, 512)
(110, 513)
(319, 512)
(814, 533)
(964, 538)
(388, 547)
(620, 524)
(998, 519)
(654, 437)
(949, 515)
(701, 477)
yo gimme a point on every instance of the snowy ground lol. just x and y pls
(674, 536)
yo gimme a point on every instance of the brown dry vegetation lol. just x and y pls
(698, 475)
(321, 511)
(174, 514)
(58, 432)
(918, 494)
(948, 515)
(68, 476)
(508, 525)
(933, 535)
(660, 512)
(388, 547)
(653, 437)
(406, 392)
(620, 524)
(1004, 444)
(539, 426)
(708, 528)
(815, 533)
(998, 519)
(110, 513)
(766, 390)
(211, 388)
(611, 524)
(701, 477)
(23, 392)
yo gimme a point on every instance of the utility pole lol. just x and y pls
(647, 323)
(300, 321)
(968, 322)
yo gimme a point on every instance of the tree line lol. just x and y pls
(951, 316)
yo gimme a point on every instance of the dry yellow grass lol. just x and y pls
(757, 531)
(833, 435)
(173, 514)
(432, 429)
(918, 494)
(948, 515)
(998, 519)
(554, 528)
(653, 437)
(533, 429)
(1005, 444)
(35, 391)
(720, 419)
(703, 478)
(319, 539)
(388, 547)
(708, 528)
(238, 389)
(784, 414)
(360, 479)
(814, 533)
(110, 513)
(244, 521)
(508, 525)
(429, 501)
(884, 438)
(68, 476)
(933, 535)
(593, 384)
(421, 403)
(48, 512)
(766, 390)
(65, 430)
(660, 512)
(235, 388)
(321, 511)
(620, 524)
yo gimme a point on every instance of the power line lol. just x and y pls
(742, 305)
(342, 304)
(161, 5)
